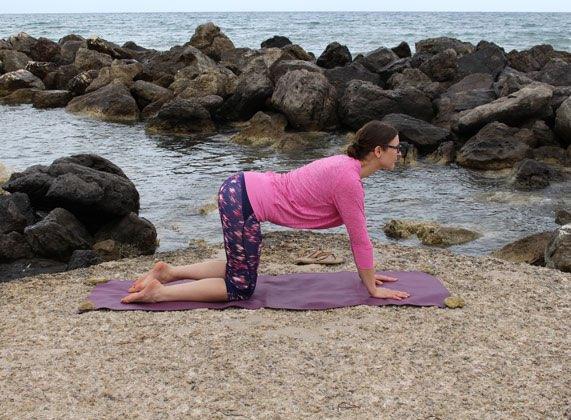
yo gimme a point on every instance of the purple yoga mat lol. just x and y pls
(293, 291)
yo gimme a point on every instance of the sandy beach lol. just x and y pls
(504, 355)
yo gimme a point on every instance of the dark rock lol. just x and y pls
(493, 147)
(562, 121)
(130, 45)
(181, 116)
(238, 58)
(533, 59)
(124, 71)
(486, 59)
(560, 94)
(59, 79)
(562, 217)
(529, 250)
(20, 96)
(209, 39)
(262, 130)
(94, 162)
(108, 48)
(82, 258)
(20, 79)
(44, 50)
(58, 235)
(532, 175)
(379, 58)
(41, 69)
(216, 81)
(51, 99)
(15, 213)
(558, 251)
(276, 41)
(340, 77)
(29, 267)
(13, 246)
(211, 102)
(79, 83)
(419, 58)
(437, 45)
(307, 99)
(542, 134)
(553, 155)
(556, 72)
(408, 78)
(295, 52)
(146, 93)
(281, 67)
(402, 50)
(335, 55)
(87, 59)
(69, 49)
(22, 42)
(425, 136)
(441, 67)
(364, 101)
(110, 103)
(510, 81)
(70, 37)
(134, 233)
(394, 67)
(445, 154)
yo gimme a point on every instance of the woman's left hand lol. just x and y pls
(379, 278)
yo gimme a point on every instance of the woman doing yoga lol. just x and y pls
(322, 194)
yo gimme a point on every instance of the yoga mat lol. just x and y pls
(293, 291)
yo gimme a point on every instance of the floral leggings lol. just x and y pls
(242, 238)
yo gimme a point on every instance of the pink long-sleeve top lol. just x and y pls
(322, 194)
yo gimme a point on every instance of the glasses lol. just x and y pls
(398, 148)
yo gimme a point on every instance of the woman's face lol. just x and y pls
(388, 155)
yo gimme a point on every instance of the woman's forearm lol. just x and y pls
(368, 278)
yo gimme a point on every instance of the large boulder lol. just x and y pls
(108, 48)
(60, 79)
(442, 66)
(182, 116)
(530, 174)
(340, 77)
(557, 72)
(263, 129)
(364, 101)
(552, 155)
(445, 154)
(414, 78)
(110, 103)
(19, 79)
(217, 81)
(124, 71)
(13, 246)
(307, 99)
(69, 49)
(86, 59)
(209, 39)
(424, 136)
(562, 121)
(558, 251)
(45, 50)
(529, 250)
(238, 59)
(533, 59)
(295, 52)
(15, 213)
(136, 235)
(281, 67)
(438, 45)
(13, 60)
(335, 55)
(22, 42)
(510, 81)
(51, 98)
(146, 92)
(402, 50)
(20, 96)
(487, 58)
(531, 101)
(394, 67)
(81, 81)
(430, 233)
(41, 69)
(376, 60)
(493, 147)
(276, 41)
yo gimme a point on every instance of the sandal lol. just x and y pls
(320, 257)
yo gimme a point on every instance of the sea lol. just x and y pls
(178, 176)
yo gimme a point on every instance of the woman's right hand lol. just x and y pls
(383, 293)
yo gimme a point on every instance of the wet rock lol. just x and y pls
(110, 103)
(445, 154)
(409, 155)
(146, 92)
(45, 50)
(108, 48)
(13, 246)
(375, 60)
(335, 55)
(542, 134)
(454, 302)
(120, 70)
(404, 229)
(60, 79)
(447, 236)
(553, 155)
(307, 99)
(82, 258)
(58, 235)
(41, 69)
(533, 59)
(440, 44)
(493, 147)
(425, 136)
(402, 50)
(528, 250)
(487, 58)
(556, 72)
(281, 67)
(442, 66)
(20, 96)
(531, 101)
(51, 99)
(86, 59)
(181, 116)
(558, 251)
(340, 77)
(262, 130)
(209, 39)
(276, 41)
(19, 79)
(562, 121)
(135, 235)
(79, 83)
(364, 101)
(532, 175)
(562, 217)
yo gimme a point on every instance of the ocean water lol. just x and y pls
(176, 176)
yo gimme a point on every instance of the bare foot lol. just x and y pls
(150, 293)
(161, 271)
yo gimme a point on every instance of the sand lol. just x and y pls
(504, 355)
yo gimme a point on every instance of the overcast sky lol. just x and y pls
(103, 6)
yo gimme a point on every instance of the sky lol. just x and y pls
(115, 6)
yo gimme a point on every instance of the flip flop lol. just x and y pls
(320, 257)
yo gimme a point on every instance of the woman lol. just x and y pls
(325, 193)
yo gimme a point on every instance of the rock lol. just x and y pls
(58, 235)
(45, 50)
(15, 213)
(394, 67)
(533, 59)
(281, 67)
(94, 162)
(29, 267)
(41, 69)
(442, 66)
(447, 236)
(560, 94)
(19, 79)
(340, 77)
(135, 235)
(364, 101)
(335, 55)
(404, 229)
(529, 175)
(262, 130)
(60, 79)
(562, 121)
(70, 37)
(488, 58)
(445, 154)
(85, 306)
(211, 102)
(51, 99)
(542, 134)
(181, 116)
(419, 58)
(556, 72)
(493, 147)
(528, 250)
(402, 50)
(20, 96)
(425, 136)
(86, 59)
(110, 103)
(108, 48)
(5, 173)
(124, 71)
(454, 302)
(238, 59)
(379, 58)
(79, 83)
(13, 246)
(217, 81)
(147, 92)
(307, 99)
(13, 60)
(553, 155)
(510, 81)
(130, 45)
(276, 41)
(209, 39)
(562, 217)
(108, 250)
(295, 52)
(82, 258)
(22, 42)
(409, 155)
(438, 45)
(531, 101)
(68, 50)
(558, 251)
(408, 78)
